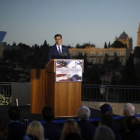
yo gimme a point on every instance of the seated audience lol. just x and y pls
(104, 133)
(30, 137)
(107, 109)
(87, 129)
(15, 129)
(132, 124)
(72, 136)
(35, 128)
(129, 110)
(50, 128)
(107, 119)
(3, 131)
(70, 126)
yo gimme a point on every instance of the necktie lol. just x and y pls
(59, 51)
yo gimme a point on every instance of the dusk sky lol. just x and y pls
(79, 21)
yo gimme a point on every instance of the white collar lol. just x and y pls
(58, 48)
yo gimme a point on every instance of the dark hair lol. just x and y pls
(14, 113)
(72, 136)
(48, 113)
(107, 119)
(132, 123)
(57, 35)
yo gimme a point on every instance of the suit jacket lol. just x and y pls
(131, 135)
(16, 131)
(87, 129)
(53, 53)
(52, 131)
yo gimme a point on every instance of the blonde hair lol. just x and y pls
(70, 126)
(35, 128)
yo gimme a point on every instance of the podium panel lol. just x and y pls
(37, 90)
(64, 97)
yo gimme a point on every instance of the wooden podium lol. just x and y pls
(64, 97)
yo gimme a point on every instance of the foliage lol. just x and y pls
(105, 46)
(129, 72)
(118, 44)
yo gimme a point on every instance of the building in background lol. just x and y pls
(97, 55)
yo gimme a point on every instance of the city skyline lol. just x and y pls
(32, 22)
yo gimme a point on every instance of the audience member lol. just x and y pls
(15, 129)
(129, 110)
(50, 128)
(132, 124)
(104, 133)
(87, 129)
(30, 137)
(35, 128)
(107, 119)
(70, 126)
(3, 131)
(72, 136)
(107, 109)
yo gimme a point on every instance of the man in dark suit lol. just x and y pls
(51, 130)
(15, 128)
(58, 51)
(87, 129)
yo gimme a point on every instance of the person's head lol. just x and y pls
(129, 110)
(14, 113)
(106, 108)
(58, 39)
(103, 133)
(35, 128)
(72, 136)
(3, 130)
(48, 113)
(132, 123)
(84, 113)
(106, 119)
(70, 126)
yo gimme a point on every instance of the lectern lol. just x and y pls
(62, 88)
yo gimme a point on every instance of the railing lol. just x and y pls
(6, 89)
(111, 93)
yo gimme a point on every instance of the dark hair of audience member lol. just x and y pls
(107, 119)
(48, 113)
(72, 136)
(3, 130)
(132, 123)
(14, 113)
(70, 126)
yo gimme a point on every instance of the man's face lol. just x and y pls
(58, 40)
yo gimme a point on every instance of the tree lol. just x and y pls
(106, 59)
(116, 62)
(129, 73)
(78, 45)
(118, 44)
(105, 45)
(109, 44)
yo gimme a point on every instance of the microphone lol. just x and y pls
(65, 55)
(61, 55)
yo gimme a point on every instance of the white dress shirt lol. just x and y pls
(58, 48)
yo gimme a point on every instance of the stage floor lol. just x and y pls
(25, 114)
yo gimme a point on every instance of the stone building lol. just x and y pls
(96, 55)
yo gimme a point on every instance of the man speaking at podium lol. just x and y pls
(58, 51)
